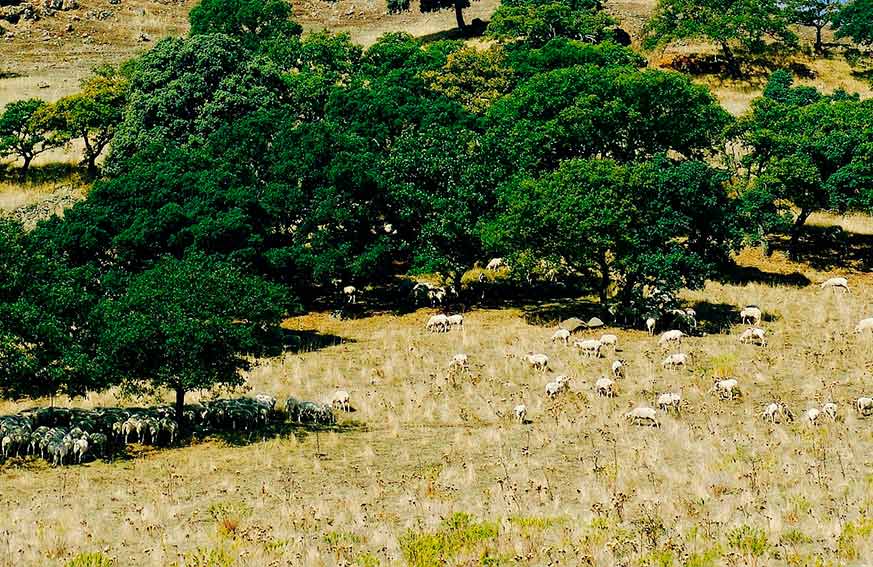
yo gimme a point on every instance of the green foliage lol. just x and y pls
(814, 13)
(853, 534)
(855, 20)
(24, 133)
(90, 559)
(536, 22)
(473, 78)
(250, 21)
(750, 542)
(207, 557)
(456, 535)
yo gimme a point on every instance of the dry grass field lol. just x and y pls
(430, 469)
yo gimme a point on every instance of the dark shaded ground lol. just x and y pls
(828, 248)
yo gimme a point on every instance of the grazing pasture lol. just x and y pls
(432, 466)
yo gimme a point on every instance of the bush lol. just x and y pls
(90, 559)
(455, 535)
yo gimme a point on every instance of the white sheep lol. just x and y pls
(671, 336)
(774, 411)
(460, 361)
(351, 293)
(643, 415)
(670, 400)
(618, 368)
(864, 325)
(605, 387)
(437, 323)
(520, 412)
(650, 326)
(609, 340)
(751, 314)
(675, 360)
(590, 347)
(834, 283)
(811, 415)
(341, 400)
(455, 320)
(80, 448)
(864, 406)
(436, 295)
(495, 264)
(830, 410)
(754, 335)
(558, 385)
(538, 361)
(727, 389)
(562, 335)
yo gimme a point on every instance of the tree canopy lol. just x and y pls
(855, 20)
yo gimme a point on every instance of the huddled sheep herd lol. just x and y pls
(724, 388)
(73, 435)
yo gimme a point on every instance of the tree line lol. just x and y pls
(250, 168)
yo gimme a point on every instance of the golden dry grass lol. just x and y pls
(577, 485)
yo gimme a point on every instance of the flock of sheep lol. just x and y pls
(72, 435)
(666, 402)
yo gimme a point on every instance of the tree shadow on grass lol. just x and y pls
(38, 175)
(829, 247)
(715, 318)
(748, 274)
(275, 431)
(549, 313)
(296, 342)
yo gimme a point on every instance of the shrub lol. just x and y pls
(456, 534)
(90, 559)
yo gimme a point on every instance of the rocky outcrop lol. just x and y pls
(54, 203)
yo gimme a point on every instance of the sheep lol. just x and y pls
(830, 410)
(605, 387)
(537, 361)
(618, 368)
(170, 428)
(436, 295)
(864, 325)
(341, 399)
(351, 293)
(266, 400)
(812, 415)
(650, 326)
(776, 410)
(562, 335)
(495, 264)
(80, 448)
(609, 340)
(754, 335)
(669, 401)
(590, 348)
(675, 360)
(99, 442)
(455, 320)
(834, 283)
(643, 415)
(751, 314)
(558, 385)
(437, 323)
(727, 389)
(864, 406)
(672, 336)
(460, 361)
(520, 412)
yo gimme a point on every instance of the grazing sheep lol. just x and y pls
(776, 410)
(830, 410)
(455, 320)
(558, 385)
(495, 264)
(727, 389)
(460, 361)
(812, 415)
(562, 335)
(643, 415)
(675, 360)
(351, 293)
(754, 335)
(341, 400)
(605, 387)
(650, 326)
(609, 340)
(834, 283)
(864, 406)
(864, 325)
(437, 323)
(537, 361)
(80, 448)
(520, 412)
(590, 348)
(751, 314)
(672, 336)
(618, 368)
(669, 401)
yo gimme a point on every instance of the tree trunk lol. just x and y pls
(180, 407)
(796, 229)
(25, 168)
(604, 278)
(819, 46)
(91, 162)
(732, 65)
(459, 15)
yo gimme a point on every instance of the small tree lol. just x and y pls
(23, 132)
(536, 22)
(250, 21)
(429, 6)
(186, 325)
(93, 114)
(816, 14)
(723, 22)
(855, 20)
